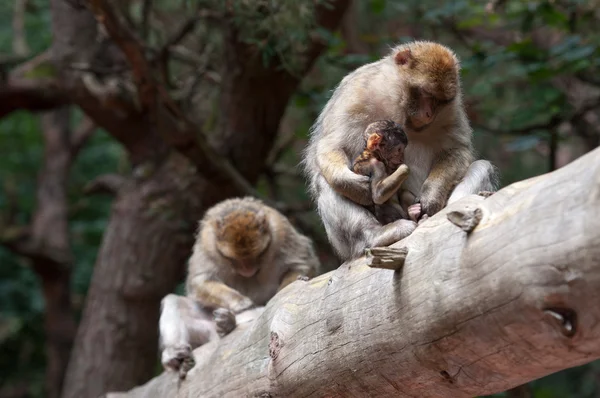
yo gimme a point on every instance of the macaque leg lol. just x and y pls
(183, 326)
(382, 187)
(351, 228)
(218, 295)
(481, 176)
(388, 234)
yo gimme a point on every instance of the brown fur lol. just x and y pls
(242, 233)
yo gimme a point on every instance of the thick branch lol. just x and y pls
(31, 86)
(468, 314)
(109, 184)
(184, 136)
(30, 94)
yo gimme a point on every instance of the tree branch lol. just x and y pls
(82, 134)
(549, 125)
(31, 86)
(468, 314)
(185, 137)
(19, 43)
(109, 184)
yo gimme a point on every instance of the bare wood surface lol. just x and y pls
(515, 299)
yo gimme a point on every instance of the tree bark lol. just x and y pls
(470, 313)
(46, 241)
(151, 228)
(50, 231)
(141, 259)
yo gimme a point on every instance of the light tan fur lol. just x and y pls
(245, 252)
(416, 85)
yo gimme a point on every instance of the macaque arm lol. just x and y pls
(335, 170)
(447, 170)
(384, 188)
(301, 268)
(216, 294)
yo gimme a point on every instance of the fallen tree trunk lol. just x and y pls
(470, 313)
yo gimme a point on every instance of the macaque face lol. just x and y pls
(242, 238)
(430, 73)
(391, 149)
(387, 141)
(422, 109)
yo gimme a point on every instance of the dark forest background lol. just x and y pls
(114, 141)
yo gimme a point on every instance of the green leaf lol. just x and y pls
(377, 6)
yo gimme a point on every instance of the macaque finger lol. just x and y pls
(414, 212)
(224, 321)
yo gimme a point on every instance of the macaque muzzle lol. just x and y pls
(246, 267)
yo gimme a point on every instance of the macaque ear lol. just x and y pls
(373, 140)
(403, 57)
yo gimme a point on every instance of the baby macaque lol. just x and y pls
(417, 85)
(382, 160)
(245, 252)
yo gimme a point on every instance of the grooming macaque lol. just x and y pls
(417, 85)
(244, 253)
(382, 160)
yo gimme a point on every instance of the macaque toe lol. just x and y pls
(303, 278)
(224, 320)
(485, 194)
(175, 358)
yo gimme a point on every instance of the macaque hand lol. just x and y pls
(224, 320)
(178, 358)
(242, 305)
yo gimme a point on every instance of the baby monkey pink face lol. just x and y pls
(386, 140)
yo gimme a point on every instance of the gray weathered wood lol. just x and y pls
(513, 300)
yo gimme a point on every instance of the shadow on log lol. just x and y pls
(515, 299)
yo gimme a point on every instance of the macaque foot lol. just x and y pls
(414, 212)
(178, 358)
(485, 194)
(225, 321)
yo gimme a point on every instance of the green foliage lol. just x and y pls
(509, 84)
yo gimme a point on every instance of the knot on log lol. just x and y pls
(386, 257)
(446, 376)
(334, 322)
(274, 346)
(466, 219)
(565, 318)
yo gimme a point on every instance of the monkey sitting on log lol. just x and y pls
(417, 85)
(245, 252)
(383, 160)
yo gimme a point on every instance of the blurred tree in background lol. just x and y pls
(114, 141)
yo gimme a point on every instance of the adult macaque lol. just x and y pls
(382, 159)
(244, 253)
(417, 85)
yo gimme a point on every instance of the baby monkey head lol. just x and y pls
(242, 236)
(386, 140)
